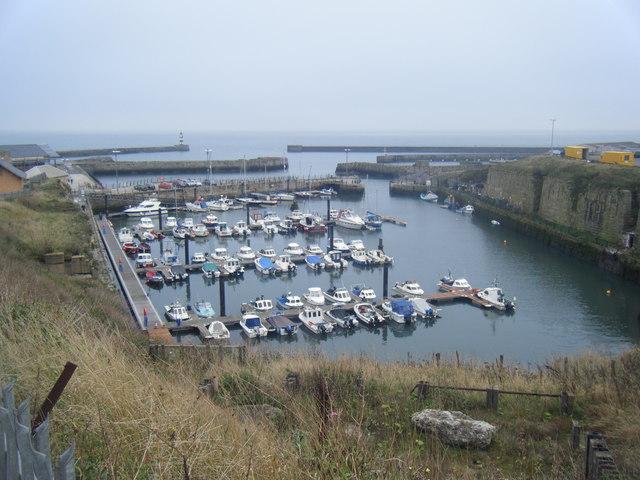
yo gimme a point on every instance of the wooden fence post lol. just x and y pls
(492, 397)
(566, 403)
(212, 387)
(242, 354)
(437, 359)
(292, 381)
(576, 434)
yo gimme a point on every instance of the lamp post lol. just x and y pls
(346, 153)
(208, 152)
(553, 122)
(116, 152)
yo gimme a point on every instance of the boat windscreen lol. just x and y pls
(252, 322)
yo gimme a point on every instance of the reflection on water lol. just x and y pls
(562, 306)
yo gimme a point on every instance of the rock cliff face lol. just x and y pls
(599, 200)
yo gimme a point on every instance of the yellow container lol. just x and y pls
(576, 152)
(619, 158)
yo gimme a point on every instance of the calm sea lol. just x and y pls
(562, 304)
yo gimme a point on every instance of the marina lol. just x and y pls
(447, 331)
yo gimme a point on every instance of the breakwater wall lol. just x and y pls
(374, 170)
(92, 152)
(453, 157)
(102, 200)
(417, 149)
(260, 164)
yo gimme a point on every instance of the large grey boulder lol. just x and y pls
(455, 428)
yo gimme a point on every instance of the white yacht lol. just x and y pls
(268, 252)
(409, 287)
(347, 218)
(145, 224)
(220, 254)
(339, 244)
(146, 207)
(313, 250)
(246, 253)
(171, 222)
(338, 295)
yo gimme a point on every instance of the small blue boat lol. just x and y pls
(203, 309)
(314, 262)
(373, 221)
(265, 266)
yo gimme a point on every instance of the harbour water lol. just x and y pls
(562, 304)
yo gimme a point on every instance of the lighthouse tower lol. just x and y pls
(181, 138)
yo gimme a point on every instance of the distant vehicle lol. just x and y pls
(166, 185)
(144, 188)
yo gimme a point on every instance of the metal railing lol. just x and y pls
(23, 456)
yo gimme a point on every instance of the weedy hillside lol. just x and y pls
(290, 416)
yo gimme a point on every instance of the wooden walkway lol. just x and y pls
(458, 295)
(141, 307)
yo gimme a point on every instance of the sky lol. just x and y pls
(347, 65)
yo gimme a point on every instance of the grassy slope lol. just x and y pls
(136, 418)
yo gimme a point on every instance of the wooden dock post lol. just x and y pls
(492, 397)
(186, 251)
(385, 280)
(160, 221)
(223, 308)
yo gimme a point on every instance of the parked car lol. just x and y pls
(143, 188)
(165, 185)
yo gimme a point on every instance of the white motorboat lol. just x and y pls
(210, 221)
(144, 260)
(268, 252)
(334, 259)
(146, 207)
(314, 262)
(293, 249)
(314, 296)
(423, 308)
(272, 216)
(367, 314)
(287, 226)
(313, 319)
(495, 222)
(232, 266)
(269, 227)
(363, 292)
(339, 244)
(265, 266)
(218, 331)
(342, 317)
(295, 215)
(260, 304)
(333, 214)
(468, 209)
(194, 207)
(347, 218)
(284, 264)
(284, 197)
(288, 301)
(180, 232)
(169, 256)
(450, 284)
(171, 222)
(282, 325)
(356, 244)
(252, 326)
(241, 229)
(311, 223)
(313, 250)
(199, 230)
(198, 257)
(145, 224)
(379, 257)
(222, 230)
(360, 257)
(400, 311)
(495, 297)
(409, 287)
(338, 295)
(218, 206)
(220, 254)
(187, 223)
(246, 253)
(176, 312)
(125, 235)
